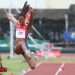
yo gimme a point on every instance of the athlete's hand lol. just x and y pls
(9, 16)
(12, 18)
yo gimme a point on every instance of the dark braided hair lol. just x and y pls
(24, 10)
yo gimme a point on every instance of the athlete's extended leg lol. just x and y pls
(27, 56)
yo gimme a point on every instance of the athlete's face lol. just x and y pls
(21, 19)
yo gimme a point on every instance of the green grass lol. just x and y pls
(15, 65)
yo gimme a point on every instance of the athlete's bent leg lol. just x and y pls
(21, 49)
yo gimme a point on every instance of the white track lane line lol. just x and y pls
(59, 69)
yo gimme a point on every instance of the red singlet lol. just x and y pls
(20, 31)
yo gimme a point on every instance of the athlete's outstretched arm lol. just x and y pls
(12, 18)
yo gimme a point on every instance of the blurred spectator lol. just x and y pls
(1, 32)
